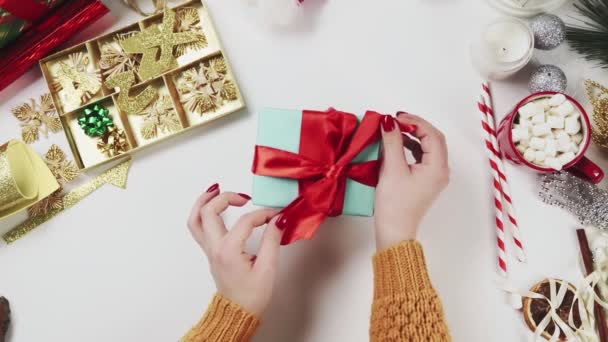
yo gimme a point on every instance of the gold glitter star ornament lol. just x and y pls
(37, 118)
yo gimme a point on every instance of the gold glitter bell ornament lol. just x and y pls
(24, 178)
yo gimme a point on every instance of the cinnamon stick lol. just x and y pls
(600, 314)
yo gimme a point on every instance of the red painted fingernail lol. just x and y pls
(282, 222)
(388, 124)
(245, 196)
(407, 128)
(213, 187)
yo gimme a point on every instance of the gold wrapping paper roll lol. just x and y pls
(24, 178)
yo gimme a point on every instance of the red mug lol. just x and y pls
(580, 166)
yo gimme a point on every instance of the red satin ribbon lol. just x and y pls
(27, 10)
(329, 142)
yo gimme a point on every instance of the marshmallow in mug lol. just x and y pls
(548, 131)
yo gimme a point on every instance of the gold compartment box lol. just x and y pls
(184, 113)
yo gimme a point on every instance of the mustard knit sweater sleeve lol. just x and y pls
(405, 308)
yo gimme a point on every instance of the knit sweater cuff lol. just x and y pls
(398, 268)
(224, 321)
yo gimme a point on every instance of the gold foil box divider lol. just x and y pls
(71, 141)
(168, 79)
(127, 126)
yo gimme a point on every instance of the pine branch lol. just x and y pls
(591, 37)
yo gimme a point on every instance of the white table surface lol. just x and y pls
(121, 265)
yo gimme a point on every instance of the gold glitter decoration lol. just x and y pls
(75, 80)
(598, 96)
(207, 87)
(113, 143)
(188, 20)
(64, 171)
(114, 59)
(158, 40)
(135, 104)
(159, 117)
(37, 118)
(116, 176)
(52, 202)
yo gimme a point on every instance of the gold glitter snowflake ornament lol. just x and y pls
(188, 20)
(114, 59)
(64, 171)
(37, 118)
(159, 117)
(207, 87)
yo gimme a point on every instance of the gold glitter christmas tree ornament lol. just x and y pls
(135, 104)
(113, 143)
(159, 117)
(75, 82)
(36, 118)
(206, 87)
(158, 40)
(64, 171)
(598, 96)
(114, 59)
(188, 20)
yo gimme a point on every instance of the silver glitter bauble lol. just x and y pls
(549, 31)
(548, 78)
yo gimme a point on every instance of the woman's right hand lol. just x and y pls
(406, 192)
(246, 280)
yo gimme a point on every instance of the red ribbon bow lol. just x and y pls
(328, 144)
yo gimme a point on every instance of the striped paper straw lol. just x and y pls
(489, 126)
(498, 214)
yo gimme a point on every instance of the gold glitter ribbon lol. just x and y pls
(116, 176)
(24, 178)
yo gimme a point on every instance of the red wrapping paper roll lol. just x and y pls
(46, 35)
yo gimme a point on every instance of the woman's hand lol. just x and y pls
(246, 280)
(405, 192)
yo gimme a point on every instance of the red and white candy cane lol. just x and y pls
(489, 126)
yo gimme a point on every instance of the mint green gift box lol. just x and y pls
(280, 129)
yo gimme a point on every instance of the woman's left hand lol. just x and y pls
(246, 280)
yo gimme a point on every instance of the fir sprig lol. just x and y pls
(591, 40)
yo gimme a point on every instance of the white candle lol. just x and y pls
(503, 48)
(508, 40)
